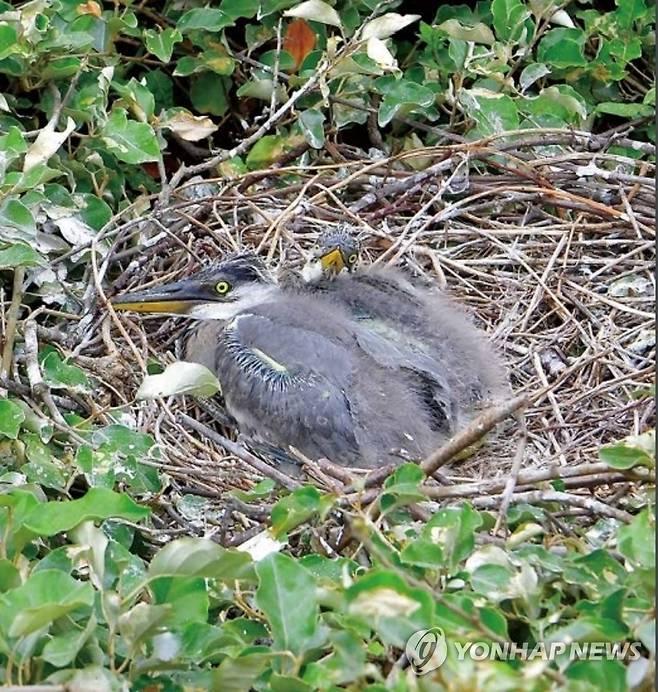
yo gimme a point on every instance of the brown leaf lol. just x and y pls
(299, 40)
(89, 7)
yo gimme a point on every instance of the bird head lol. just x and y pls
(334, 252)
(218, 292)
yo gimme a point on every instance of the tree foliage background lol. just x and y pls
(105, 107)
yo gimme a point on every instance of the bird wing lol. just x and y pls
(286, 385)
(390, 348)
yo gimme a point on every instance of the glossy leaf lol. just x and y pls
(11, 417)
(200, 557)
(312, 123)
(128, 140)
(98, 503)
(286, 595)
(44, 597)
(161, 42)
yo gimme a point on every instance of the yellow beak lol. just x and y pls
(332, 262)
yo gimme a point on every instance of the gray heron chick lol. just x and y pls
(297, 368)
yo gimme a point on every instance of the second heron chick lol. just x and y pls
(419, 318)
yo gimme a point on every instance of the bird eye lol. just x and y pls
(222, 287)
(353, 258)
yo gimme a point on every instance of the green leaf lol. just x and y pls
(141, 622)
(531, 73)
(10, 577)
(11, 417)
(41, 468)
(599, 674)
(120, 438)
(492, 580)
(625, 110)
(95, 212)
(509, 18)
(44, 597)
(479, 33)
(493, 113)
(239, 674)
(16, 504)
(563, 48)
(328, 570)
(636, 540)
(312, 123)
(218, 61)
(297, 507)
(16, 221)
(423, 553)
(561, 101)
(204, 19)
(12, 144)
(128, 140)
(62, 649)
(188, 65)
(8, 40)
(287, 596)
(588, 629)
(240, 8)
(200, 557)
(137, 98)
(161, 43)
(402, 487)
(288, 683)
(453, 529)
(187, 595)
(345, 665)
(51, 518)
(261, 490)
(209, 93)
(59, 374)
(402, 96)
(385, 602)
(631, 451)
(266, 150)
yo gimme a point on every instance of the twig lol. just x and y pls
(512, 479)
(12, 318)
(581, 472)
(240, 452)
(536, 496)
(39, 388)
(475, 430)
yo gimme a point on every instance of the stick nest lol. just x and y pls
(547, 237)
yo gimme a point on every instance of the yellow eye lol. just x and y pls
(352, 258)
(222, 287)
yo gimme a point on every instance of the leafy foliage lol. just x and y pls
(99, 104)
(81, 595)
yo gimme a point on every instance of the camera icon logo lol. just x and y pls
(426, 650)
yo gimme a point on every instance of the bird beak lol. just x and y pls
(176, 298)
(332, 262)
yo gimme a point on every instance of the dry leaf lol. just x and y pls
(377, 51)
(190, 127)
(46, 144)
(299, 41)
(315, 11)
(386, 25)
(89, 7)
